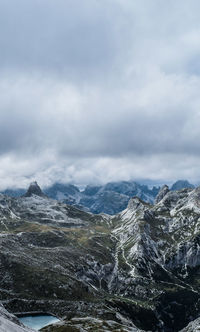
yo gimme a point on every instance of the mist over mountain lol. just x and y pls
(99, 165)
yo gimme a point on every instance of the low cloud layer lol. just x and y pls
(95, 91)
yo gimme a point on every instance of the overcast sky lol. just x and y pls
(99, 90)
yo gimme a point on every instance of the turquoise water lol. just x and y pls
(37, 322)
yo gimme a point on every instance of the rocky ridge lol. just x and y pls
(110, 198)
(137, 268)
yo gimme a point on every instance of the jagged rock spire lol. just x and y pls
(134, 203)
(34, 189)
(163, 191)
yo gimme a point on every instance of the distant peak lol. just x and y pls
(182, 184)
(34, 189)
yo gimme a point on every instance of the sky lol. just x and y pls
(93, 91)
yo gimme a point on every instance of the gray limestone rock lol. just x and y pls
(193, 326)
(163, 191)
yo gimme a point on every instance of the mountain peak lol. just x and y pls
(182, 184)
(163, 191)
(135, 203)
(34, 189)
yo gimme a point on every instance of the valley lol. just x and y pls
(137, 270)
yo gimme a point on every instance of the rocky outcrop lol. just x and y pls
(142, 263)
(194, 326)
(163, 191)
(34, 189)
(9, 322)
(105, 320)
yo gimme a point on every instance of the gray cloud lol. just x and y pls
(75, 38)
(99, 90)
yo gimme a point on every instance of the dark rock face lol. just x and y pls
(137, 270)
(34, 189)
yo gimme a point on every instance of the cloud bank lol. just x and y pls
(95, 91)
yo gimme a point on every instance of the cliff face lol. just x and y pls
(137, 268)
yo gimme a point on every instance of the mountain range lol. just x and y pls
(138, 270)
(110, 198)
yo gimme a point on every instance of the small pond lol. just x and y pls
(36, 322)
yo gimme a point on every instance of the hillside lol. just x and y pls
(137, 268)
